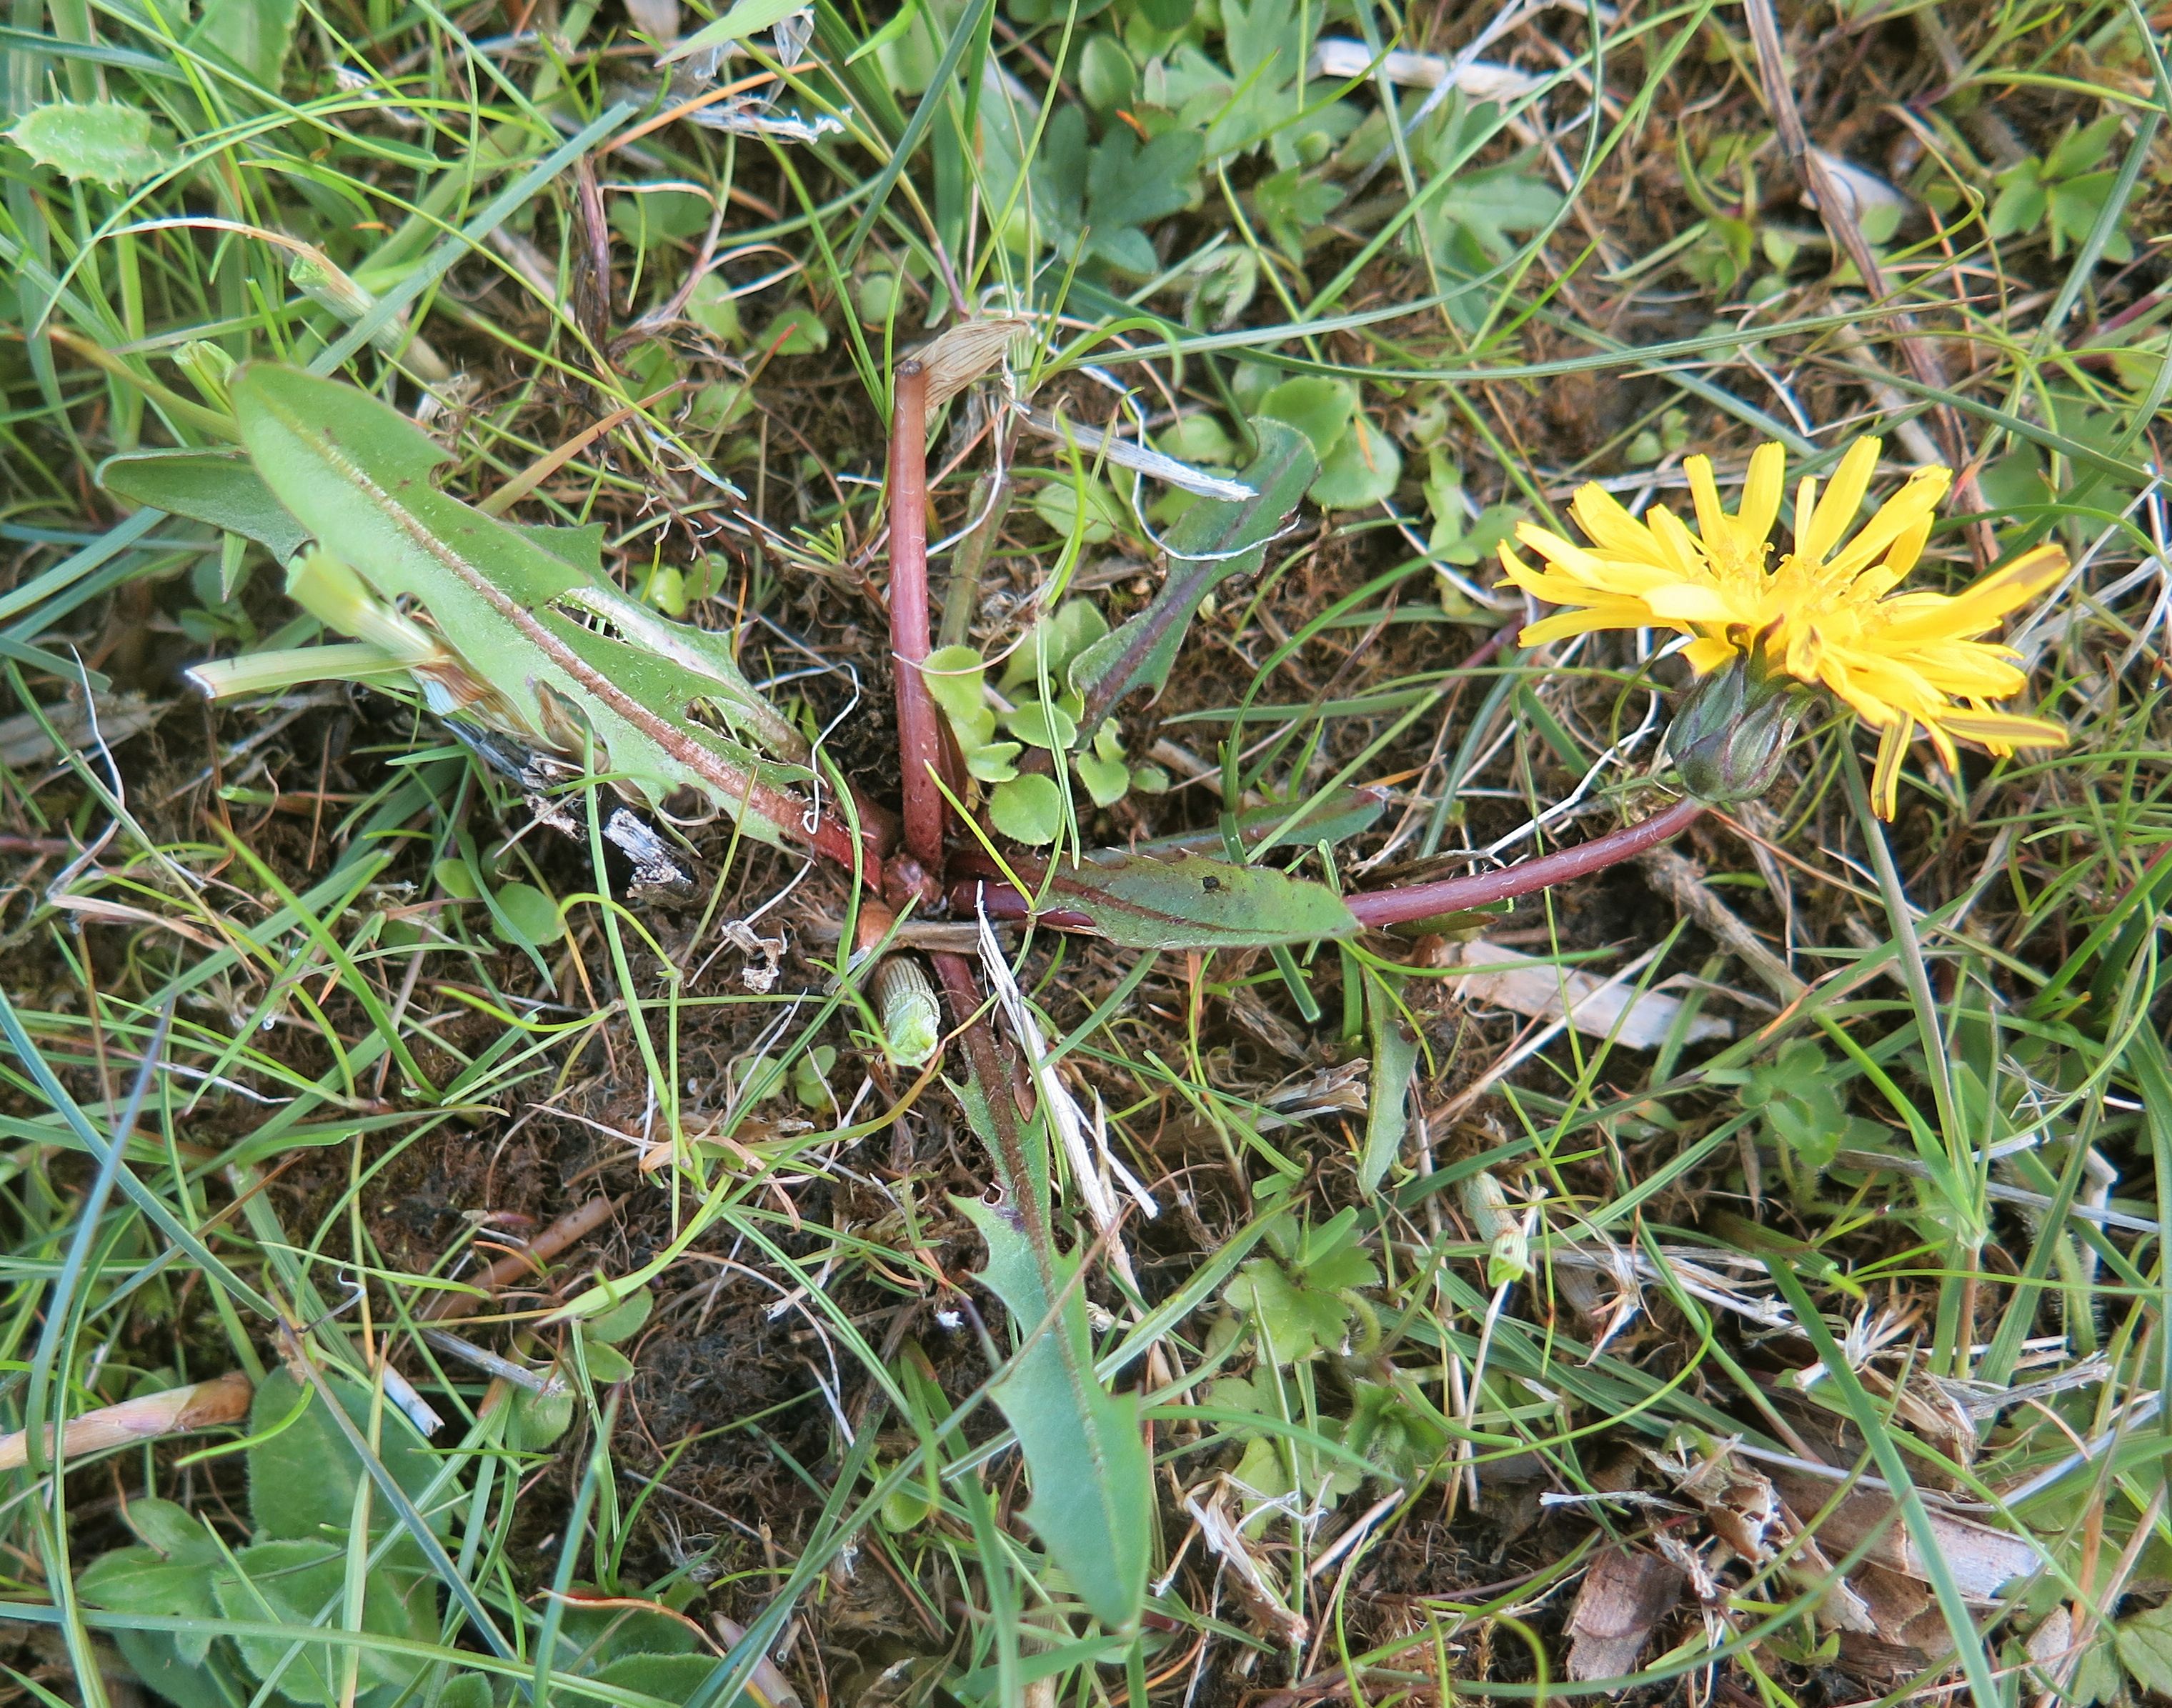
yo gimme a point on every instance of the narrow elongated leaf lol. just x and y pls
(666, 703)
(1212, 541)
(1093, 1489)
(1394, 1060)
(219, 488)
(256, 34)
(1334, 820)
(743, 18)
(1191, 902)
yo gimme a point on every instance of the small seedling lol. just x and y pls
(995, 726)
(2062, 193)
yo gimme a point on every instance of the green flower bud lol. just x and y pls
(1732, 732)
(911, 1020)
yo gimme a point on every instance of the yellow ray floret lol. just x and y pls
(1826, 614)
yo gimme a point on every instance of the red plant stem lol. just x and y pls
(919, 733)
(961, 984)
(532, 1260)
(1377, 908)
(831, 837)
(1000, 900)
(1382, 907)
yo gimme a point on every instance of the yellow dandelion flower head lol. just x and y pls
(1826, 614)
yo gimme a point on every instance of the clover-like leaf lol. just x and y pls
(2144, 1646)
(1294, 1321)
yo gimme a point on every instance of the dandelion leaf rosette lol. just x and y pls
(663, 703)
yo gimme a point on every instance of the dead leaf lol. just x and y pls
(201, 1405)
(1624, 1596)
(1309, 1097)
(1252, 1578)
(1931, 1413)
(1740, 1504)
(23, 741)
(1599, 1008)
(1340, 58)
(1982, 1561)
(1903, 1610)
(967, 350)
(121, 913)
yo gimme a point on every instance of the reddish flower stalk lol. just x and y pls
(1383, 907)
(919, 733)
(1377, 908)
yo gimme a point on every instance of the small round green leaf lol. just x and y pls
(1106, 76)
(1361, 470)
(455, 879)
(537, 1420)
(993, 761)
(1038, 723)
(1055, 640)
(954, 676)
(811, 1082)
(1028, 809)
(1320, 409)
(621, 1319)
(1099, 518)
(714, 308)
(796, 332)
(531, 918)
(1198, 438)
(876, 296)
(1106, 780)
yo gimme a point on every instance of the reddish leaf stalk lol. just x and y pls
(1377, 908)
(832, 838)
(919, 732)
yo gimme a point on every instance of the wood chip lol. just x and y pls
(1624, 1596)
